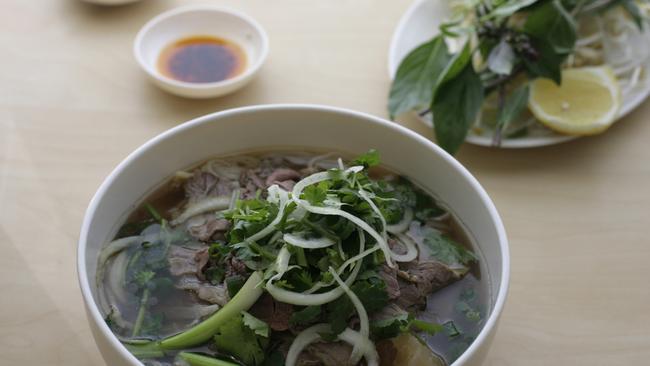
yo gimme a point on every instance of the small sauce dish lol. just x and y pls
(201, 51)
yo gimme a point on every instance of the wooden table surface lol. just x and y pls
(73, 103)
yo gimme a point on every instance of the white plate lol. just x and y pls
(420, 23)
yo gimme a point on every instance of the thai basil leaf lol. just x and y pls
(416, 77)
(454, 67)
(455, 107)
(552, 23)
(513, 106)
(501, 58)
(548, 63)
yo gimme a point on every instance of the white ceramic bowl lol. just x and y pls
(203, 20)
(262, 127)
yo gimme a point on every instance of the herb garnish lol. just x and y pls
(501, 46)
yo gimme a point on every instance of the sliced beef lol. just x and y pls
(201, 259)
(205, 226)
(389, 275)
(287, 185)
(420, 278)
(281, 175)
(250, 177)
(204, 291)
(200, 185)
(250, 183)
(276, 314)
(204, 184)
(235, 266)
(183, 261)
(326, 354)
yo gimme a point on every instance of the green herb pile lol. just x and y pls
(498, 43)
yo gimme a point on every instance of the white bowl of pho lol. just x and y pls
(292, 235)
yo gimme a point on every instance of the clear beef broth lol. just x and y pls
(461, 307)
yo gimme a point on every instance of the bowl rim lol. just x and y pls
(93, 309)
(248, 72)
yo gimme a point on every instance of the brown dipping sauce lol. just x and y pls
(202, 59)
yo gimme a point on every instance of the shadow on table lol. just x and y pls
(35, 328)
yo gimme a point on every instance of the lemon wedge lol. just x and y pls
(586, 103)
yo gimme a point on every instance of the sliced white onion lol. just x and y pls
(282, 261)
(368, 349)
(357, 221)
(411, 249)
(304, 339)
(206, 205)
(322, 176)
(316, 243)
(375, 209)
(362, 253)
(305, 298)
(302, 299)
(312, 334)
(109, 250)
(364, 326)
(403, 224)
(116, 276)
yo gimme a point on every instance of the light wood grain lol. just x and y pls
(73, 103)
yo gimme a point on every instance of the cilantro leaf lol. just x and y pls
(369, 159)
(306, 315)
(258, 326)
(338, 313)
(390, 328)
(401, 323)
(372, 294)
(316, 193)
(142, 278)
(240, 341)
(445, 249)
